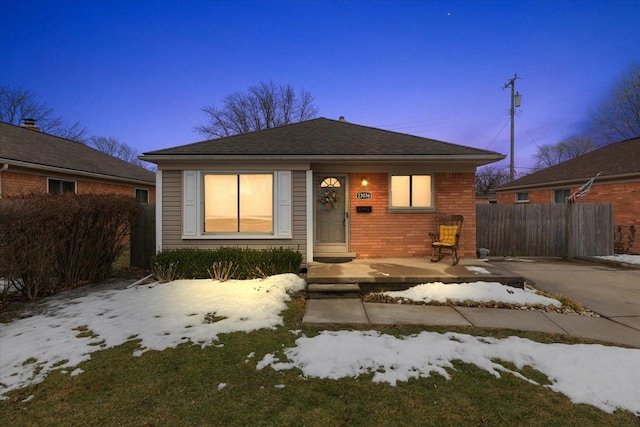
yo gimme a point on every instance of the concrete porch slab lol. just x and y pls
(510, 319)
(401, 273)
(399, 314)
(349, 310)
(597, 328)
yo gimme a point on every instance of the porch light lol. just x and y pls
(363, 181)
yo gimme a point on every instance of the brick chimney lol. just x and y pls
(30, 124)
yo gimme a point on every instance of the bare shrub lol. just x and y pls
(53, 242)
(222, 270)
(28, 245)
(164, 273)
(99, 228)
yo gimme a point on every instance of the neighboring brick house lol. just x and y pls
(324, 187)
(619, 183)
(32, 161)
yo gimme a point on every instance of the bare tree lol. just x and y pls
(488, 178)
(116, 148)
(552, 154)
(17, 103)
(75, 132)
(265, 105)
(618, 115)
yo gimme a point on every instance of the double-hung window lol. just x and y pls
(238, 203)
(411, 192)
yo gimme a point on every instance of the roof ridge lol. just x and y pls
(43, 149)
(321, 137)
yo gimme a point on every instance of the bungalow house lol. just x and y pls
(327, 188)
(619, 183)
(32, 161)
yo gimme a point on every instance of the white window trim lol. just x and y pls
(412, 209)
(75, 184)
(193, 207)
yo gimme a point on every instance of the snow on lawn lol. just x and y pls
(161, 316)
(606, 377)
(627, 259)
(475, 291)
(164, 316)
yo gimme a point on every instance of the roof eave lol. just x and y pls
(574, 181)
(482, 158)
(46, 168)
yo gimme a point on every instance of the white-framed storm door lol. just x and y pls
(331, 214)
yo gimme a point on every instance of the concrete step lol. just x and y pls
(333, 290)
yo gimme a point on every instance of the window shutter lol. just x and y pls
(190, 210)
(283, 204)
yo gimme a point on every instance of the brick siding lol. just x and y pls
(16, 183)
(392, 234)
(625, 197)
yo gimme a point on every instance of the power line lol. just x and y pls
(499, 132)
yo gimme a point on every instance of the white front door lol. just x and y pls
(331, 213)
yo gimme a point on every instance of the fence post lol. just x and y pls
(568, 230)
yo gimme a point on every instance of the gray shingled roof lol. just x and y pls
(617, 160)
(324, 138)
(37, 149)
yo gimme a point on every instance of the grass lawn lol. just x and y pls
(182, 386)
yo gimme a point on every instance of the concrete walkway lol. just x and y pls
(354, 311)
(622, 329)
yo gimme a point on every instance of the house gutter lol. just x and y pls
(2, 169)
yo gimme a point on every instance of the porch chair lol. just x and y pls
(446, 237)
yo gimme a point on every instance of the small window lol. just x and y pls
(330, 183)
(561, 196)
(522, 197)
(411, 192)
(58, 186)
(142, 195)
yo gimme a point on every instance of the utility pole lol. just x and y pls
(516, 98)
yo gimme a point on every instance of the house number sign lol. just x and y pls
(363, 195)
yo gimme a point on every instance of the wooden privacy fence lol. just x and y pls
(565, 230)
(143, 237)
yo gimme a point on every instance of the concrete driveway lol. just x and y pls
(613, 292)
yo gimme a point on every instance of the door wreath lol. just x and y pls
(330, 198)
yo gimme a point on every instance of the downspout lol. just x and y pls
(3, 168)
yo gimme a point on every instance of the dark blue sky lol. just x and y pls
(141, 70)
